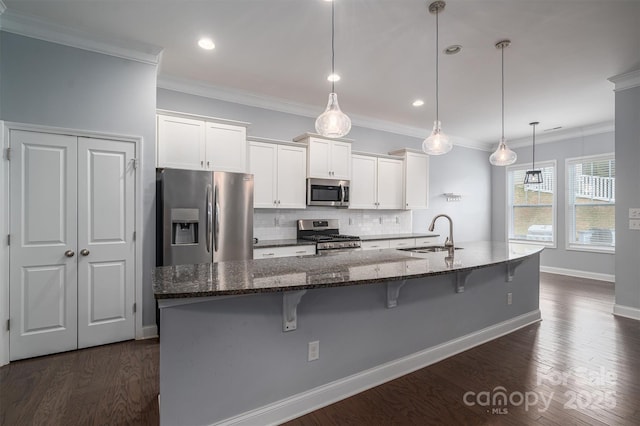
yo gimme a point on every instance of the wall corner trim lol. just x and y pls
(28, 26)
(305, 402)
(626, 81)
(626, 311)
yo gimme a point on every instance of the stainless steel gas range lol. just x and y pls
(326, 234)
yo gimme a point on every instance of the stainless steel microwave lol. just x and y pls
(327, 192)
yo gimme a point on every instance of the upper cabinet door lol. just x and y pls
(341, 160)
(263, 165)
(416, 181)
(292, 167)
(226, 148)
(181, 143)
(363, 189)
(319, 165)
(390, 194)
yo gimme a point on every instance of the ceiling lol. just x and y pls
(556, 69)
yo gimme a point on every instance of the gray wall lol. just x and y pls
(54, 85)
(627, 195)
(601, 263)
(462, 170)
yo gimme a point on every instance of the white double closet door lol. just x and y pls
(72, 248)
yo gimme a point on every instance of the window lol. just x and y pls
(591, 203)
(531, 208)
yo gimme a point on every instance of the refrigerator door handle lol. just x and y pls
(216, 229)
(209, 219)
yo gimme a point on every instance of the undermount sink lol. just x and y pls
(428, 249)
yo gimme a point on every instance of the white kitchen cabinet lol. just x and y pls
(201, 143)
(225, 148)
(377, 182)
(286, 251)
(374, 245)
(327, 158)
(279, 174)
(181, 142)
(402, 243)
(415, 179)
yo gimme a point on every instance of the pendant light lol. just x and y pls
(437, 143)
(503, 156)
(333, 123)
(533, 176)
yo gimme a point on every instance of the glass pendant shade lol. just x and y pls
(503, 156)
(333, 123)
(438, 143)
(532, 177)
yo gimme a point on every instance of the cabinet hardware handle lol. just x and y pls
(201, 163)
(301, 251)
(268, 254)
(69, 253)
(84, 252)
(208, 164)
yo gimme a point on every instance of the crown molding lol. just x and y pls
(28, 26)
(626, 81)
(281, 105)
(560, 135)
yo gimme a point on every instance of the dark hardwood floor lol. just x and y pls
(580, 365)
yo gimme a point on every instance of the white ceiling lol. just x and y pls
(556, 70)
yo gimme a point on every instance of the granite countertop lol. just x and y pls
(282, 243)
(330, 270)
(395, 236)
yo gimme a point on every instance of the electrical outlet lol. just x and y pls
(314, 350)
(397, 220)
(350, 221)
(634, 224)
(634, 213)
(509, 298)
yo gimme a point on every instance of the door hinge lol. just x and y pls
(135, 307)
(8, 154)
(134, 162)
(8, 239)
(9, 324)
(134, 235)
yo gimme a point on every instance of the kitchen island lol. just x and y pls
(234, 344)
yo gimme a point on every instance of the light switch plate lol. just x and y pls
(634, 213)
(634, 224)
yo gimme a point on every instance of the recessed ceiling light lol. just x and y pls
(453, 49)
(206, 43)
(418, 103)
(333, 77)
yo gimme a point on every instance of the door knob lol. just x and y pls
(69, 253)
(84, 252)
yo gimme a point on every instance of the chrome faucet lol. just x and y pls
(449, 241)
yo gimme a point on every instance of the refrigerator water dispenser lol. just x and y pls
(184, 226)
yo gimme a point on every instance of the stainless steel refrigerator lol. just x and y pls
(203, 216)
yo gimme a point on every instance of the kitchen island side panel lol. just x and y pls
(222, 358)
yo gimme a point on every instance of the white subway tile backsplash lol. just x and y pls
(281, 224)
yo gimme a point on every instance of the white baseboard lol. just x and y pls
(626, 311)
(305, 402)
(148, 332)
(579, 274)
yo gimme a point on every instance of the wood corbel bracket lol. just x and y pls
(461, 279)
(290, 301)
(511, 268)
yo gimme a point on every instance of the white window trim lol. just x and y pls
(554, 208)
(567, 209)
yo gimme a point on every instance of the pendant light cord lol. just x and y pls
(534, 147)
(333, 49)
(502, 49)
(437, 63)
